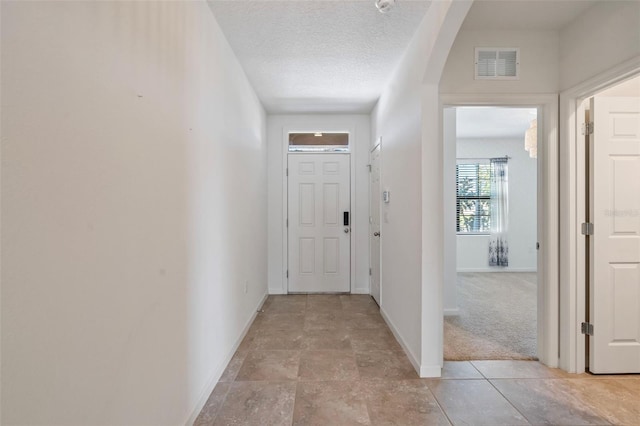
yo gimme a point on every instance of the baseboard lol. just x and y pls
(211, 384)
(412, 358)
(278, 291)
(497, 269)
(451, 312)
(430, 371)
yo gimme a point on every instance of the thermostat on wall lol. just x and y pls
(386, 196)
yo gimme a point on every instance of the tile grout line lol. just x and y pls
(295, 399)
(478, 370)
(366, 404)
(446, 415)
(213, 420)
(509, 401)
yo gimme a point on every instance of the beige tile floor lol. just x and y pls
(331, 360)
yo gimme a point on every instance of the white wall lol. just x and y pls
(358, 126)
(539, 62)
(450, 297)
(133, 210)
(605, 35)
(407, 119)
(472, 250)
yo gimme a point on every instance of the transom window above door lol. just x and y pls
(319, 142)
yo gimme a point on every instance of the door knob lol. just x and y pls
(376, 234)
(346, 230)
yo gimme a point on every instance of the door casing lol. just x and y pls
(320, 230)
(548, 207)
(375, 271)
(355, 225)
(572, 211)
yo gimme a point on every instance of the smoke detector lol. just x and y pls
(385, 5)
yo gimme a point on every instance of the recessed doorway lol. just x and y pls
(491, 187)
(319, 212)
(612, 229)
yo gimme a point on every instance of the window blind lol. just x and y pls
(473, 198)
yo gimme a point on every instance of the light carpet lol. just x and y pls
(497, 318)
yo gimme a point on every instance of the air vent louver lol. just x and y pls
(497, 63)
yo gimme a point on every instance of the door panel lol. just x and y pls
(319, 243)
(374, 240)
(331, 255)
(307, 208)
(615, 209)
(307, 255)
(331, 203)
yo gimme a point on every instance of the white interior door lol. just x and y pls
(319, 217)
(374, 220)
(615, 250)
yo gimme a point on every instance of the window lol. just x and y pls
(473, 198)
(319, 142)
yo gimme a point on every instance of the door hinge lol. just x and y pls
(369, 271)
(287, 222)
(587, 228)
(587, 128)
(369, 167)
(587, 328)
(286, 171)
(287, 273)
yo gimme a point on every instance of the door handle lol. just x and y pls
(346, 230)
(376, 234)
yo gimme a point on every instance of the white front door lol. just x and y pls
(319, 219)
(374, 233)
(615, 245)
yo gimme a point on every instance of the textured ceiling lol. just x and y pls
(318, 56)
(337, 56)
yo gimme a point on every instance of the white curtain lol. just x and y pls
(498, 245)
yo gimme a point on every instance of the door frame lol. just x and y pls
(312, 128)
(572, 212)
(548, 207)
(341, 283)
(377, 143)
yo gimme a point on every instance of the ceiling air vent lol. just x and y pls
(494, 63)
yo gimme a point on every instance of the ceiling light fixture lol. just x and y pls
(385, 5)
(531, 139)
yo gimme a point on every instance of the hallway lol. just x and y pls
(331, 359)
